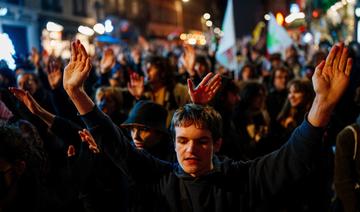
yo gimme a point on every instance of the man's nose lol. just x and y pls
(191, 147)
(137, 134)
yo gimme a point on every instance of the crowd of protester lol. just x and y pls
(50, 162)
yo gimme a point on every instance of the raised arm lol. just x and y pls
(107, 135)
(297, 158)
(33, 106)
(75, 74)
(330, 80)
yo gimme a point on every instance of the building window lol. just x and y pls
(134, 8)
(79, 8)
(51, 5)
(121, 5)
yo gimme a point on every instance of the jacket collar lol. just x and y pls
(179, 172)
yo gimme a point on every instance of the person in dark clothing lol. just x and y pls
(21, 174)
(200, 181)
(147, 125)
(97, 180)
(347, 167)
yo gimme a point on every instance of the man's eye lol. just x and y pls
(181, 141)
(203, 141)
(144, 129)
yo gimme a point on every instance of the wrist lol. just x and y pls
(320, 112)
(74, 91)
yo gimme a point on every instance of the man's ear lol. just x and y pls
(20, 167)
(217, 145)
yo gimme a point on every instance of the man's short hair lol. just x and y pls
(203, 117)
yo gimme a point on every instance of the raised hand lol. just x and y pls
(107, 61)
(78, 69)
(34, 107)
(54, 73)
(136, 85)
(206, 89)
(330, 80)
(188, 57)
(86, 136)
(26, 98)
(331, 77)
(35, 57)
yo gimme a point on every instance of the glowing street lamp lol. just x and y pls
(86, 30)
(54, 27)
(209, 23)
(206, 16)
(99, 28)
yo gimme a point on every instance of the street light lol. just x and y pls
(85, 30)
(54, 27)
(99, 28)
(206, 16)
(209, 23)
(3, 11)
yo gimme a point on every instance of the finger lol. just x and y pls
(330, 57)
(343, 60)
(215, 85)
(338, 56)
(348, 67)
(30, 97)
(78, 50)
(319, 68)
(87, 65)
(94, 150)
(86, 132)
(73, 52)
(84, 54)
(190, 85)
(17, 92)
(215, 90)
(206, 79)
(82, 136)
(214, 80)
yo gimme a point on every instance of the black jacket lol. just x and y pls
(231, 186)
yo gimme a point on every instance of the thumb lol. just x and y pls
(190, 85)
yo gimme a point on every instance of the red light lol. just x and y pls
(315, 14)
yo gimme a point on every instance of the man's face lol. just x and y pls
(194, 149)
(145, 138)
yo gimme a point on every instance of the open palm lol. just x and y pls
(86, 136)
(26, 98)
(136, 85)
(79, 67)
(206, 89)
(331, 77)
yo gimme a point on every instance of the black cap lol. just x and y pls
(148, 114)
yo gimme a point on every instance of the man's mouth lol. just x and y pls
(139, 144)
(192, 159)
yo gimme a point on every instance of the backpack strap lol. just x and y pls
(355, 132)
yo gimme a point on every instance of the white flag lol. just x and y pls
(226, 54)
(277, 37)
